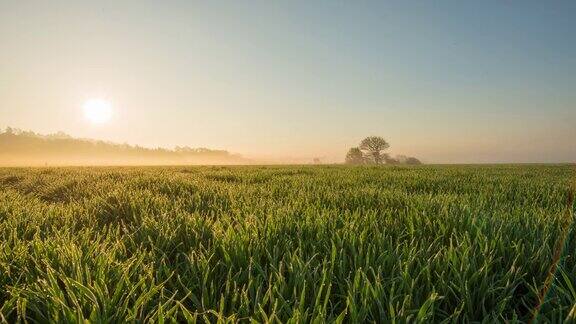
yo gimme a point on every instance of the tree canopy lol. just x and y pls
(373, 147)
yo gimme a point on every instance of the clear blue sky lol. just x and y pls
(446, 81)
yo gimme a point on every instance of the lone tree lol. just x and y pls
(374, 145)
(355, 156)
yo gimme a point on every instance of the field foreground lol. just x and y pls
(280, 244)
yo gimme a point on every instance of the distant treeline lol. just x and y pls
(26, 148)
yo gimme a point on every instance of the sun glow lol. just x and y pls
(98, 111)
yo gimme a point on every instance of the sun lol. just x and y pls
(98, 111)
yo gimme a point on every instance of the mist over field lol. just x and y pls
(26, 148)
(30, 149)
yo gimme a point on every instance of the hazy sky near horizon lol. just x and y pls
(446, 81)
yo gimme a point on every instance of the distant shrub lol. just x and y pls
(413, 161)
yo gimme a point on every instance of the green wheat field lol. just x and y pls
(288, 244)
